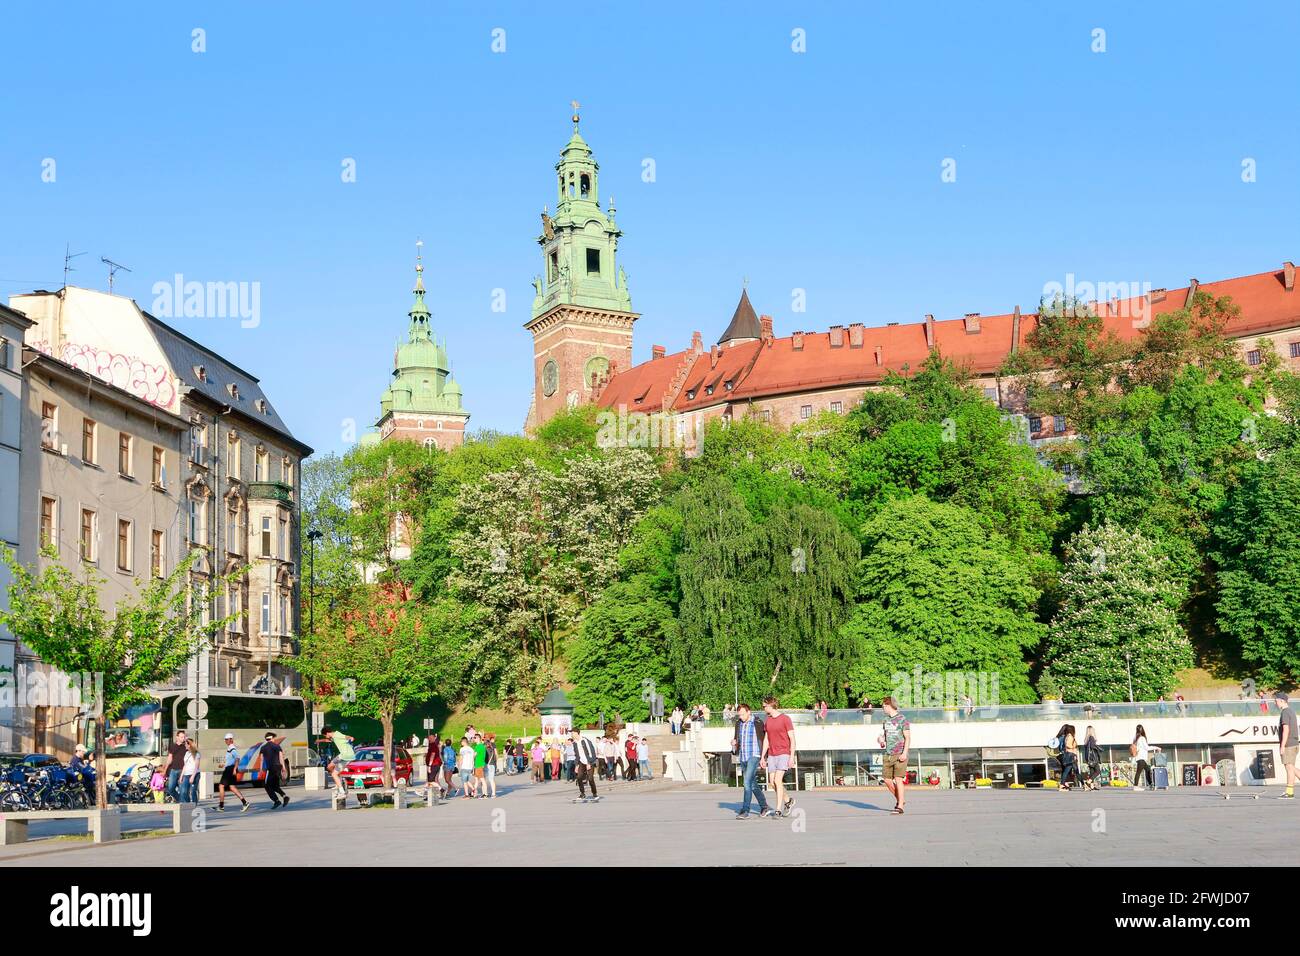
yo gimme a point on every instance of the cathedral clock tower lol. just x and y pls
(582, 314)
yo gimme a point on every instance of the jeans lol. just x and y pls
(645, 769)
(751, 771)
(568, 769)
(173, 785)
(190, 789)
(1069, 768)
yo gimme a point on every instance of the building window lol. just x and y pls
(837, 407)
(260, 470)
(584, 186)
(123, 544)
(198, 521)
(593, 262)
(1058, 424)
(4, 353)
(124, 467)
(88, 450)
(1253, 357)
(199, 444)
(767, 414)
(281, 550)
(232, 529)
(805, 411)
(49, 511)
(233, 609)
(156, 555)
(284, 611)
(266, 537)
(1295, 349)
(266, 612)
(232, 456)
(49, 425)
(159, 472)
(1035, 424)
(89, 535)
(286, 470)
(991, 393)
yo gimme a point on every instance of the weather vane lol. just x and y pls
(575, 104)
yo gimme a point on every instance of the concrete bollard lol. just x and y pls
(431, 796)
(339, 801)
(313, 778)
(399, 798)
(105, 826)
(206, 788)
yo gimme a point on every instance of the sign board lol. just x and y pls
(429, 723)
(1191, 775)
(317, 722)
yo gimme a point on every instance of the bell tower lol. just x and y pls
(582, 314)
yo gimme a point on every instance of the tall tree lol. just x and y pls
(147, 637)
(1257, 548)
(939, 591)
(1118, 617)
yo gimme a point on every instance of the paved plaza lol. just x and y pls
(664, 824)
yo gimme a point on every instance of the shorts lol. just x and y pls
(778, 763)
(490, 771)
(895, 767)
(478, 772)
(228, 777)
(465, 775)
(1288, 756)
(339, 764)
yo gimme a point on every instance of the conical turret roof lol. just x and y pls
(744, 323)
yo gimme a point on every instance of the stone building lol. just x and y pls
(12, 327)
(236, 477)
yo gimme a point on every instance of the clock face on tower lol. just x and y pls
(550, 378)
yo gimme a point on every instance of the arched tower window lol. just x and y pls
(585, 186)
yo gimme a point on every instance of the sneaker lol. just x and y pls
(1286, 796)
(221, 808)
(1138, 789)
(743, 815)
(789, 805)
(277, 805)
(286, 802)
(245, 807)
(767, 812)
(595, 799)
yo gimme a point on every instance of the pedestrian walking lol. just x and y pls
(538, 755)
(229, 782)
(465, 761)
(569, 759)
(675, 720)
(629, 755)
(643, 758)
(1288, 740)
(1140, 750)
(276, 767)
(190, 765)
(449, 766)
(433, 762)
(778, 751)
(1069, 756)
(490, 766)
(584, 766)
(173, 765)
(896, 741)
(555, 754)
(747, 745)
(1092, 757)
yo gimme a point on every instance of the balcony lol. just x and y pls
(270, 491)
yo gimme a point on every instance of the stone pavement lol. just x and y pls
(664, 824)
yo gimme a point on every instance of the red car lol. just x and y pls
(367, 770)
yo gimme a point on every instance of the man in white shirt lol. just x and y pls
(643, 758)
(584, 765)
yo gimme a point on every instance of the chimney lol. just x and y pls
(796, 341)
(765, 323)
(972, 323)
(1156, 295)
(1015, 331)
(657, 351)
(837, 336)
(714, 352)
(1288, 276)
(929, 331)
(855, 335)
(697, 343)
(880, 355)
(1192, 286)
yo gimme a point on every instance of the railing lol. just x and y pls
(270, 490)
(1045, 711)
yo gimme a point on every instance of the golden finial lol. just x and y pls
(576, 106)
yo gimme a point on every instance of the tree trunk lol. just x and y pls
(387, 721)
(101, 766)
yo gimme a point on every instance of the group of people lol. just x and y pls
(1074, 756)
(180, 772)
(679, 721)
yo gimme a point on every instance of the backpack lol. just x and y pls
(1133, 749)
(1054, 746)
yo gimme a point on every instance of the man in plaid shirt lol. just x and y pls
(748, 748)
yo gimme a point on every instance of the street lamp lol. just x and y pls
(312, 537)
(735, 683)
(1128, 666)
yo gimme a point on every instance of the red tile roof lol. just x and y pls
(773, 367)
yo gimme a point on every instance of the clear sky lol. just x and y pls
(817, 170)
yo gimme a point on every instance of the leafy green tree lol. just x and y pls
(767, 596)
(380, 652)
(389, 484)
(1119, 614)
(1195, 335)
(618, 661)
(1257, 548)
(938, 590)
(145, 640)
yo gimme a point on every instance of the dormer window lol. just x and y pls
(260, 405)
(690, 394)
(200, 373)
(233, 389)
(708, 389)
(727, 385)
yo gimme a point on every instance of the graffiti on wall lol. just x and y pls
(151, 383)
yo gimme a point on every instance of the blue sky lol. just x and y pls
(817, 170)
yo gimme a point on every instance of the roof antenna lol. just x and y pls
(68, 256)
(112, 270)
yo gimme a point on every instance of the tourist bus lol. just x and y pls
(140, 735)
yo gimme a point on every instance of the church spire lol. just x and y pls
(419, 311)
